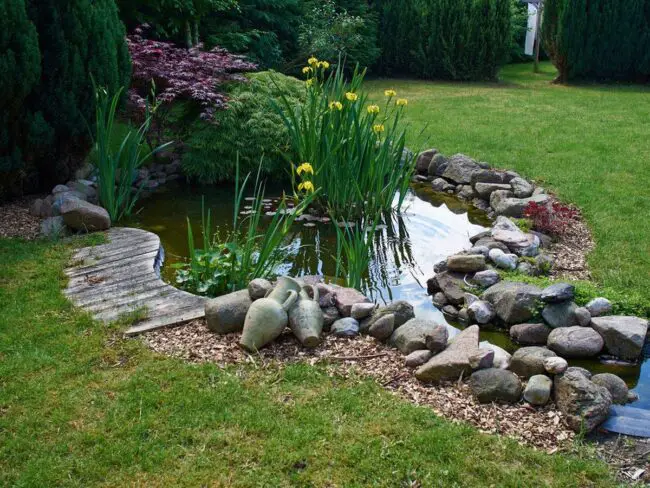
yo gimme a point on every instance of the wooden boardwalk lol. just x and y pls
(123, 276)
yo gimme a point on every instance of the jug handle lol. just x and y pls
(314, 291)
(291, 299)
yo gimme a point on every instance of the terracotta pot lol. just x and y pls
(267, 317)
(306, 318)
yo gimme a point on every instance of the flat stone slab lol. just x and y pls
(122, 277)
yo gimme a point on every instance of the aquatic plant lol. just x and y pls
(116, 167)
(355, 149)
(224, 265)
(354, 243)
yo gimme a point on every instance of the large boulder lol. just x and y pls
(400, 309)
(451, 284)
(514, 207)
(530, 334)
(481, 312)
(575, 342)
(453, 362)
(538, 390)
(495, 385)
(460, 169)
(346, 297)
(521, 188)
(81, 215)
(418, 334)
(624, 336)
(491, 176)
(466, 263)
(529, 361)
(615, 385)
(584, 404)
(424, 160)
(226, 314)
(506, 231)
(558, 292)
(258, 288)
(382, 328)
(484, 190)
(437, 165)
(560, 314)
(513, 302)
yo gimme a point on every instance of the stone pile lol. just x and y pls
(74, 206)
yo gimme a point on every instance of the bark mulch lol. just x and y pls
(16, 221)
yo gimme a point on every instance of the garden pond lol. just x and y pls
(430, 227)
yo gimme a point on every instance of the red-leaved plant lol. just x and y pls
(551, 218)
(182, 74)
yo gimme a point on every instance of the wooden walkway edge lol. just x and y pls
(123, 277)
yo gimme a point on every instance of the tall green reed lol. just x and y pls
(356, 149)
(116, 167)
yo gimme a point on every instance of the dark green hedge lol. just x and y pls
(445, 39)
(49, 50)
(598, 39)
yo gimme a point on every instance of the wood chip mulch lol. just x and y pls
(16, 221)
(570, 250)
(542, 428)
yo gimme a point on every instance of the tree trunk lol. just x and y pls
(188, 34)
(196, 32)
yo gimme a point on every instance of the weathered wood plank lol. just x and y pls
(112, 256)
(147, 258)
(91, 299)
(179, 317)
(155, 307)
(87, 289)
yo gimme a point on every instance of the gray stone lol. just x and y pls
(521, 188)
(345, 327)
(226, 314)
(514, 302)
(555, 365)
(466, 263)
(470, 298)
(362, 310)
(60, 189)
(438, 165)
(538, 390)
(491, 176)
(498, 196)
(477, 237)
(483, 250)
(529, 361)
(495, 385)
(460, 169)
(584, 404)
(506, 261)
(530, 334)
(624, 336)
(466, 192)
(401, 309)
(451, 284)
(575, 342)
(441, 185)
(501, 356)
(424, 160)
(514, 207)
(506, 231)
(583, 317)
(440, 300)
(463, 315)
(525, 268)
(486, 189)
(486, 278)
(84, 216)
(481, 312)
(54, 228)
(258, 288)
(418, 358)
(544, 263)
(418, 334)
(558, 292)
(560, 314)
(577, 369)
(453, 362)
(615, 385)
(481, 359)
(545, 240)
(450, 311)
(383, 327)
(492, 244)
(346, 297)
(440, 267)
(84, 186)
(330, 315)
(599, 306)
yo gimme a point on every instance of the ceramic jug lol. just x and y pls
(267, 317)
(306, 318)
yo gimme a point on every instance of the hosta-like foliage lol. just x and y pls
(598, 39)
(182, 74)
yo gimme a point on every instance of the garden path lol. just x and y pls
(122, 277)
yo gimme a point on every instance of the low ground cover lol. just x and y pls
(80, 406)
(587, 143)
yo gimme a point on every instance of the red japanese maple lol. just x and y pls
(551, 218)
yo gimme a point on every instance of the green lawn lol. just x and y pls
(589, 144)
(80, 406)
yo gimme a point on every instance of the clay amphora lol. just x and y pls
(306, 318)
(267, 317)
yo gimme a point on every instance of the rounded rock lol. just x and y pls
(486, 278)
(575, 342)
(582, 316)
(615, 385)
(599, 306)
(529, 361)
(258, 288)
(495, 385)
(418, 358)
(538, 390)
(382, 328)
(345, 327)
(555, 365)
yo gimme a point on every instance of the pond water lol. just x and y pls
(429, 228)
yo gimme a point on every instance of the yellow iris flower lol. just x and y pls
(324, 64)
(306, 70)
(336, 106)
(373, 109)
(310, 82)
(378, 128)
(351, 96)
(306, 186)
(305, 168)
(402, 101)
(313, 61)
(390, 93)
